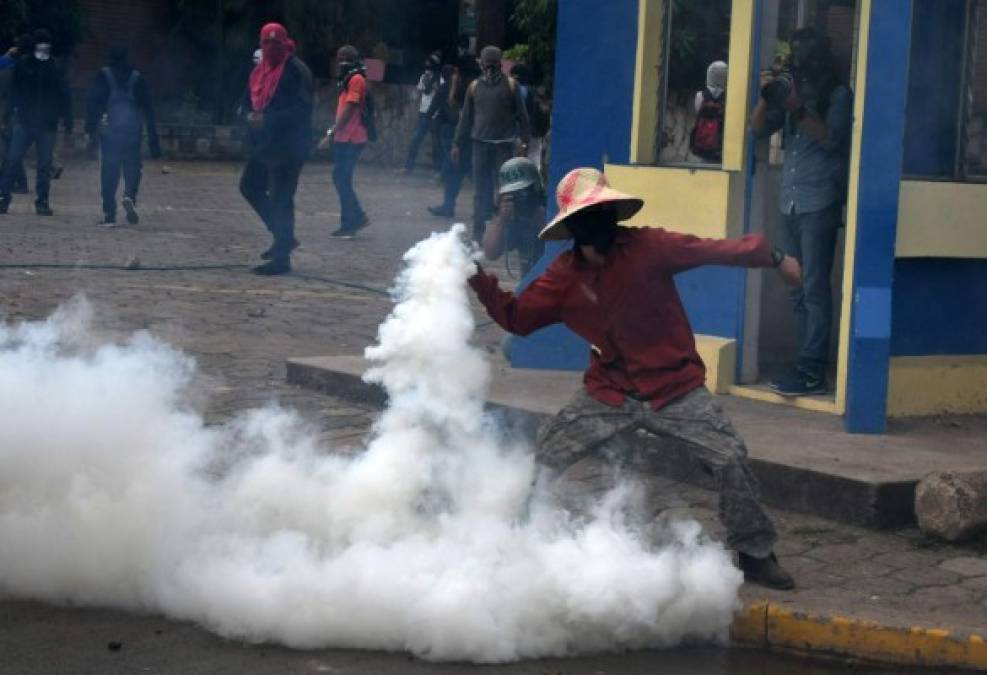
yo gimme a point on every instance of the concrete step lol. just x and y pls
(804, 461)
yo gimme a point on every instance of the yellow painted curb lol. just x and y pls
(766, 625)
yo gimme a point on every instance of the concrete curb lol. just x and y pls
(767, 625)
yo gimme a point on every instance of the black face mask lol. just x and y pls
(596, 228)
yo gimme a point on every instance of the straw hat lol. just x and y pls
(582, 188)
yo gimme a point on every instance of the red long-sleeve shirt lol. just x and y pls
(628, 309)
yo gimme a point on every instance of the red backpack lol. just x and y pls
(706, 140)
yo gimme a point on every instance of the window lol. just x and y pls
(946, 119)
(693, 82)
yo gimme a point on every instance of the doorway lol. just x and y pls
(770, 341)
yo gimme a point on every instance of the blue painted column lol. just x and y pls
(877, 215)
(595, 58)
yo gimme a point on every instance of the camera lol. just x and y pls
(777, 90)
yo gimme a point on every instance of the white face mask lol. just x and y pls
(42, 51)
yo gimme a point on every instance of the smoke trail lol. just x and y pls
(113, 492)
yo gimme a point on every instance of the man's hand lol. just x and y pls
(255, 119)
(454, 154)
(790, 271)
(506, 208)
(767, 77)
(326, 140)
(793, 101)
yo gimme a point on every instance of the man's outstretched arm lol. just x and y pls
(539, 305)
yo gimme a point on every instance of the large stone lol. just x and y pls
(952, 506)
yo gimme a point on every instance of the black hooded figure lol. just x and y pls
(40, 99)
(118, 98)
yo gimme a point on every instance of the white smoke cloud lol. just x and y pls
(114, 493)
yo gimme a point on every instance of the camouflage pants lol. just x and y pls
(698, 421)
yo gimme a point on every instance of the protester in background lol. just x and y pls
(454, 170)
(22, 46)
(258, 57)
(119, 96)
(814, 109)
(493, 119)
(538, 116)
(428, 85)
(706, 140)
(520, 215)
(279, 124)
(40, 99)
(615, 288)
(348, 138)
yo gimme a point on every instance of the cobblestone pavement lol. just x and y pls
(241, 328)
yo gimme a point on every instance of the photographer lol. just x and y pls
(807, 101)
(520, 214)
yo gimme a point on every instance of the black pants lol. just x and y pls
(270, 189)
(487, 160)
(116, 156)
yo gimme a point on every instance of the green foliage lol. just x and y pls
(700, 35)
(13, 14)
(518, 53)
(536, 21)
(64, 18)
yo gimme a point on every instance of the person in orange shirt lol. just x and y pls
(348, 138)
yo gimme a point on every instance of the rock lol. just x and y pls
(968, 567)
(952, 506)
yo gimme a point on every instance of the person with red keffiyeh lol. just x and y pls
(615, 288)
(278, 106)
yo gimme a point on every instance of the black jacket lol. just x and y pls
(39, 95)
(286, 134)
(99, 96)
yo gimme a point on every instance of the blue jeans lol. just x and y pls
(346, 156)
(811, 239)
(421, 131)
(452, 172)
(117, 155)
(20, 142)
(270, 190)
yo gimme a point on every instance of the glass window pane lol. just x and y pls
(975, 149)
(691, 119)
(934, 83)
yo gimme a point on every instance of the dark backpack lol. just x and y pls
(368, 113)
(122, 116)
(706, 140)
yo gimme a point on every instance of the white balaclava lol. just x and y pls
(716, 78)
(42, 51)
(258, 55)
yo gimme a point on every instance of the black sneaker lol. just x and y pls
(269, 253)
(441, 212)
(343, 234)
(128, 205)
(4, 203)
(799, 383)
(107, 221)
(56, 172)
(42, 209)
(766, 572)
(273, 268)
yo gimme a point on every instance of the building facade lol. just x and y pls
(910, 282)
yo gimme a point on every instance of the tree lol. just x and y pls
(535, 21)
(64, 18)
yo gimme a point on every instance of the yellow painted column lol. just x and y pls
(647, 80)
(735, 137)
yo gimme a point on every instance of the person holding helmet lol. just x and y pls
(520, 214)
(616, 289)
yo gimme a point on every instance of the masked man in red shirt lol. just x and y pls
(616, 289)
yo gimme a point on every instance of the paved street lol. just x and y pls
(241, 328)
